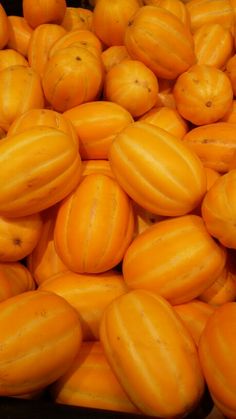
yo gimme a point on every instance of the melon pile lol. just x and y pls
(118, 204)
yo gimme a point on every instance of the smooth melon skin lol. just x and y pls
(96, 124)
(219, 209)
(90, 382)
(44, 262)
(89, 294)
(195, 315)
(20, 34)
(161, 41)
(94, 225)
(157, 170)
(96, 166)
(176, 258)
(217, 354)
(40, 337)
(47, 167)
(214, 144)
(152, 354)
(21, 90)
(45, 117)
(222, 291)
(213, 11)
(15, 278)
(214, 44)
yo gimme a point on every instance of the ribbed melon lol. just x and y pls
(217, 352)
(40, 336)
(195, 315)
(91, 382)
(94, 225)
(152, 354)
(89, 294)
(157, 170)
(160, 40)
(215, 144)
(38, 168)
(176, 258)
